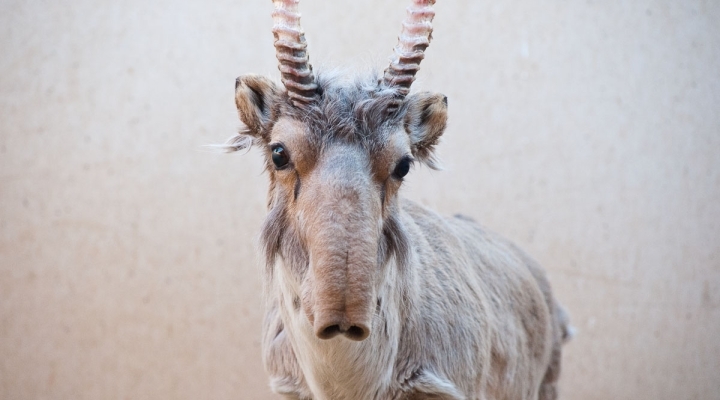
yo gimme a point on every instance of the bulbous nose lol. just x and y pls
(329, 325)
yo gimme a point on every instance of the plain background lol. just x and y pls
(586, 131)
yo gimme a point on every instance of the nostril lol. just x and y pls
(330, 332)
(356, 333)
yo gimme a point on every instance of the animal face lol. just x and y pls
(337, 148)
(335, 169)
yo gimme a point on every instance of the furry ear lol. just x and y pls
(425, 121)
(255, 97)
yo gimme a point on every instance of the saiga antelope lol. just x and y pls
(370, 296)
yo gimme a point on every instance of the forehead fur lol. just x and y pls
(350, 108)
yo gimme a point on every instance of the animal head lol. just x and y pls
(336, 150)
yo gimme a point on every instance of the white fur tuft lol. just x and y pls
(237, 142)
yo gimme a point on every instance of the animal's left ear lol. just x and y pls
(425, 121)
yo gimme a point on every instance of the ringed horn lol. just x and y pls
(295, 68)
(291, 51)
(414, 38)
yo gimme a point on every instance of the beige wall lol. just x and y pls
(587, 131)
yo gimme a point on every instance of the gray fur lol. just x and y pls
(455, 312)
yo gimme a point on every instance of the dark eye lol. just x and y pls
(402, 168)
(280, 156)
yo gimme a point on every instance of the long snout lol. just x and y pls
(341, 293)
(342, 213)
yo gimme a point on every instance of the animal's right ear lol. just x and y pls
(256, 97)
